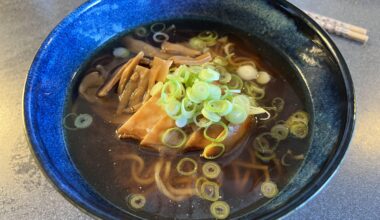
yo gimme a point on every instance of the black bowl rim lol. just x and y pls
(300, 199)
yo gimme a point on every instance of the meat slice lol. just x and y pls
(153, 138)
(140, 123)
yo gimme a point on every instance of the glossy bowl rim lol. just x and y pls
(308, 192)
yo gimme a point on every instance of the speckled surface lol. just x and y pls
(25, 194)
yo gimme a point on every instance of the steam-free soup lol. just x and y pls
(185, 120)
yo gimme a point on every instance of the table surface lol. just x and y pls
(353, 193)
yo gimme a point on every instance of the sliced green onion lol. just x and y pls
(156, 88)
(220, 210)
(235, 83)
(174, 138)
(183, 73)
(190, 81)
(278, 103)
(218, 60)
(83, 121)
(225, 78)
(252, 89)
(211, 170)
(209, 75)
(141, 32)
(213, 151)
(197, 43)
(266, 156)
(181, 166)
(299, 116)
(195, 69)
(191, 96)
(212, 116)
(221, 136)
(209, 37)
(188, 108)
(243, 101)
(221, 107)
(210, 191)
(265, 142)
(172, 88)
(269, 189)
(198, 92)
(201, 121)
(65, 123)
(198, 184)
(299, 130)
(136, 201)
(238, 114)
(227, 94)
(157, 27)
(279, 132)
(172, 107)
(215, 92)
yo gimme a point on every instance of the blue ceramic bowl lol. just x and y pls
(322, 75)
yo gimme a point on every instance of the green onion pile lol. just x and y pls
(205, 97)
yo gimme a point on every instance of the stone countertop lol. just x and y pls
(353, 193)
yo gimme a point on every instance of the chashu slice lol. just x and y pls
(197, 141)
(153, 138)
(140, 123)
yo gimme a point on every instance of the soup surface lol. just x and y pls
(131, 140)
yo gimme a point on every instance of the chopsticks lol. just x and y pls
(340, 28)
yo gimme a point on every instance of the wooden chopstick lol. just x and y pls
(340, 28)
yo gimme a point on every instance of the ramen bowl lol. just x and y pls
(291, 39)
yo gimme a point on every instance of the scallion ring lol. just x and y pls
(225, 78)
(279, 132)
(212, 116)
(65, 123)
(220, 210)
(278, 103)
(265, 156)
(188, 108)
(157, 27)
(299, 130)
(269, 189)
(160, 37)
(220, 137)
(221, 107)
(208, 36)
(136, 201)
(197, 43)
(211, 170)
(181, 166)
(264, 142)
(174, 138)
(201, 121)
(213, 151)
(210, 191)
(235, 83)
(83, 121)
(141, 32)
(209, 75)
(237, 115)
(198, 184)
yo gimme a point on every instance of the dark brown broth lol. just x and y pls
(93, 150)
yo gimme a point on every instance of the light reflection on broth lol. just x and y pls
(204, 126)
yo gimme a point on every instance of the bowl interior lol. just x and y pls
(287, 36)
